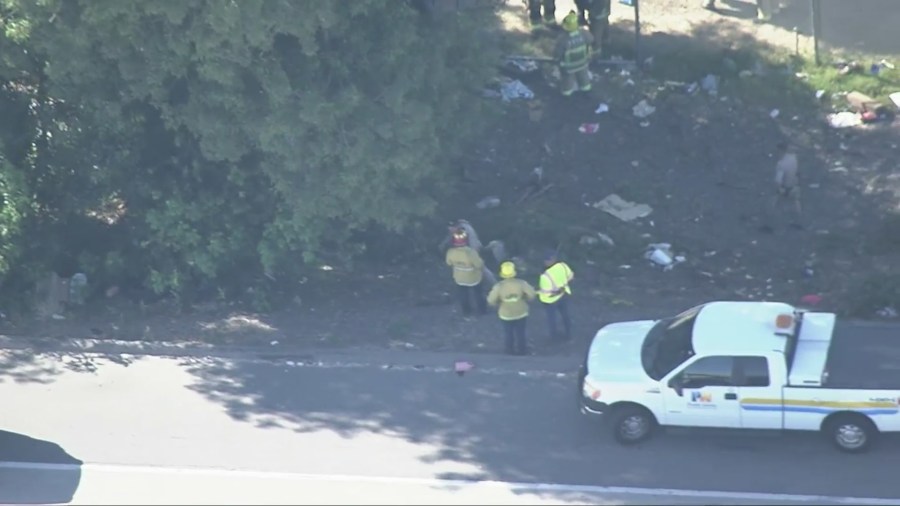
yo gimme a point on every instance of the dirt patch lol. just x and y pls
(703, 163)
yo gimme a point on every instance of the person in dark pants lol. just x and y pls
(554, 292)
(467, 272)
(512, 295)
(595, 15)
(548, 17)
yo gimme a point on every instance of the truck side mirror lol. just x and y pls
(675, 384)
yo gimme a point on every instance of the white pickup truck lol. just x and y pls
(750, 365)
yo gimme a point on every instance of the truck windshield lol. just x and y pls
(669, 343)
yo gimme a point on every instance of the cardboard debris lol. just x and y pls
(860, 102)
(622, 209)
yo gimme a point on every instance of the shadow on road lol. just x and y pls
(38, 364)
(33, 471)
(513, 428)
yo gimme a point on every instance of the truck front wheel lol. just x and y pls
(631, 425)
(851, 433)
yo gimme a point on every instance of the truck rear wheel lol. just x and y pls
(631, 425)
(851, 433)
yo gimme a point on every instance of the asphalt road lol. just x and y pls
(372, 427)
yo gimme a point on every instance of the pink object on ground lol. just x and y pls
(811, 300)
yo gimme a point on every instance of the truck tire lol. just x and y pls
(851, 433)
(632, 424)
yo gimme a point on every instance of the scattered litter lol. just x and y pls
(845, 68)
(560, 375)
(535, 110)
(488, 202)
(820, 94)
(624, 72)
(605, 238)
(745, 74)
(591, 240)
(57, 316)
(844, 119)
(886, 64)
(710, 85)
(811, 300)
(710, 253)
(273, 343)
(642, 109)
(602, 108)
(589, 128)
(774, 113)
(629, 82)
(645, 124)
(463, 367)
(514, 89)
(887, 312)
(661, 254)
(622, 209)
(635, 163)
(692, 88)
(523, 65)
(523, 373)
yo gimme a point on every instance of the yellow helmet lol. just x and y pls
(570, 22)
(507, 270)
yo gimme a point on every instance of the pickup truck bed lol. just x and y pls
(864, 355)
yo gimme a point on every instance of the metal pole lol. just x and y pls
(816, 14)
(638, 62)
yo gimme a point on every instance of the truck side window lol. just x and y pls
(709, 372)
(753, 372)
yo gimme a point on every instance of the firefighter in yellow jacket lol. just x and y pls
(467, 272)
(511, 296)
(554, 292)
(573, 52)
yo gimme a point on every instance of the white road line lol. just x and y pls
(437, 482)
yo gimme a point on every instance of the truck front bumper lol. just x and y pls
(587, 405)
(591, 407)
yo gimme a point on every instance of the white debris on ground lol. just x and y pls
(844, 119)
(514, 89)
(642, 109)
(623, 209)
(661, 254)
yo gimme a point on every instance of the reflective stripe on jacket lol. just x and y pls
(511, 296)
(574, 51)
(554, 282)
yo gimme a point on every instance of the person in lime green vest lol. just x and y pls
(554, 293)
(511, 296)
